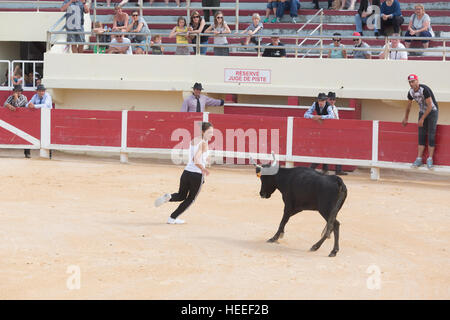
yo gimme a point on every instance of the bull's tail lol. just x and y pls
(342, 195)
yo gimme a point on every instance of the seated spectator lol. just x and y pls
(322, 110)
(197, 101)
(271, 5)
(28, 79)
(99, 31)
(120, 20)
(17, 100)
(394, 55)
(156, 45)
(220, 27)
(254, 28)
(180, 32)
(198, 25)
(332, 100)
(366, 10)
(5, 82)
(37, 79)
(391, 15)
(292, 5)
(358, 43)
(419, 26)
(274, 52)
(345, 4)
(139, 26)
(41, 99)
(337, 53)
(120, 45)
(17, 77)
(316, 3)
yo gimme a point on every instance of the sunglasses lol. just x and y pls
(219, 17)
(337, 40)
(135, 15)
(195, 17)
(354, 40)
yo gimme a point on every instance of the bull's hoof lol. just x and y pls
(314, 248)
(272, 240)
(332, 254)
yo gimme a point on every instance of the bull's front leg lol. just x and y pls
(280, 232)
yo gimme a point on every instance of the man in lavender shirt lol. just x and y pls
(197, 101)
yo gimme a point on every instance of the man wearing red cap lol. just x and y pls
(358, 43)
(428, 116)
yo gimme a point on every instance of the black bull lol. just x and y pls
(305, 189)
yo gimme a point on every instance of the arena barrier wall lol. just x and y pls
(372, 144)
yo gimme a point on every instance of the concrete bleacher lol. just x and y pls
(161, 19)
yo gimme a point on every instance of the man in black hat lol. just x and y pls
(41, 99)
(197, 101)
(332, 102)
(17, 100)
(322, 110)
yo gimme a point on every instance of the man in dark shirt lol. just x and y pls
(428, 116)
(274, 52)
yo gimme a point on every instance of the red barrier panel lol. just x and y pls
(399, 144)
(255, 135)
(24, 119)
(159, 129)
(348, 139)
(86, 127)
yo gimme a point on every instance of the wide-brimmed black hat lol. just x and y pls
(322, 96)
(17, 87)
(332, 95)
(197, 86)
(40, 87)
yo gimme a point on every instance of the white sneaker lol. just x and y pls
(175, 221)
(163, 199)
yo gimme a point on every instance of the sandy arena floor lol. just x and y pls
(98, 215)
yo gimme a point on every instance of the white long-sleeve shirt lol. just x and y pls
(44, 102)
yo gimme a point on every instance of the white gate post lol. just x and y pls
(289, 140)
(375, 171)
(45, 133)
(123, 147)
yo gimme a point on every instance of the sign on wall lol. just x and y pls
(248, 75)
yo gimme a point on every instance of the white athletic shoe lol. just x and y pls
(175, 221)
(163, 199)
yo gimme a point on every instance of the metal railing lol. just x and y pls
(24, 65)
(39, 3)
(260, 46)
(319, 27)
(187, 8)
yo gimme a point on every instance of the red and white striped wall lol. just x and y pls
(374, 144)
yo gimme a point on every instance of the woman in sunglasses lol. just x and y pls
(337, 53)
(218, 28)
(198, 25)
(140, 27)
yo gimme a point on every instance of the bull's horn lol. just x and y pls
(274, 163)
(253, 162)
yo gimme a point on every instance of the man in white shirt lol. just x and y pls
(395, 55)
(41, 99)
(119, 45)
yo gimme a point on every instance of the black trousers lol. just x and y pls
(429, 126)
(190, 184)
(27, 152)
(209, 3)
(395, 22)
(316, 2)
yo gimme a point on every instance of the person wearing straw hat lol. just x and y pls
(196, 102)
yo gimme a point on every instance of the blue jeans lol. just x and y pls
(359, 23)
(292, 5)
(202, 49)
